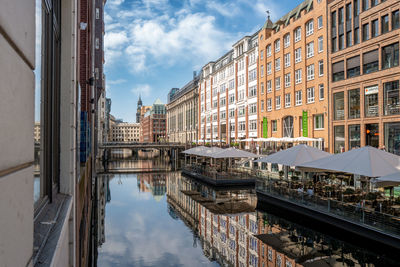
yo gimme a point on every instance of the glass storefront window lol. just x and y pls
(354, 136)
(354, 104)
(339, 139)
(338, 105)
(372, 135)
(371, 101)
(392, 137)
(391, 98)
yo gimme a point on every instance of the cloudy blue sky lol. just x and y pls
(152, 46)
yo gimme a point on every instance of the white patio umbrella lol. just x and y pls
(367, 161)
(273, 139)
(194, 150)
(248, 140)
(387, 180)
(295, 155)
(304, 139)
(208, 151)
(233, 153)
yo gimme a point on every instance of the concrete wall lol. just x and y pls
(17, 53)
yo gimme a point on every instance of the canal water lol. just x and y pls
(164, 219)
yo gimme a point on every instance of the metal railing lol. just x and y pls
(358, 214)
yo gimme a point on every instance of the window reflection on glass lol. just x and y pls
(390, 56)
(391, 98)
(371, 104)
(354, 103)
(338, 105)
(392, 137)
(37, 125)
(354, 136)
(339, 139)
(372, 135)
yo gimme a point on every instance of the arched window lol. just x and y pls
(288, 126)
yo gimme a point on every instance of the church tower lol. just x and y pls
(138, 111)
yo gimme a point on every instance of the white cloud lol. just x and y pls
(115, 2)
(114, 40)
(142, 89)
(115, 82)
(225, 9)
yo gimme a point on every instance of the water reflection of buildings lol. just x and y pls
(233, 233)
(135, 165)
(155, 183)
(103, 197)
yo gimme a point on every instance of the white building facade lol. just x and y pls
(228, 95)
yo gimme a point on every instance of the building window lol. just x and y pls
(320, 22)
(278, 64)
(392, 137)
(269, 104)
(261, 71)
(374, 28)
(371, 101)
(339, 139)
(269, 86)
(278, 102)
(297, 76)
(353, 67)
(365, 5)
(242, 111)
(310, 95)
(321, 91)
(338, 71)
(321, 68)
(370, 61)
(277, 83)
(319, 122)
(310, 49)
(354, 103)
(223, 101)
(278, 45)
(288, 126)
(365, 32)
(286, 40)
(287, 60)
(338, 106)
(274, 126)
(297, 34)
(375, 2)
(297, 55)
(231, 113)
(395, 19)
(287, 100)
(299, 97)
(391, 98)
(97, 43)
(97, 13)
(334, 44)
(310, 72)
(287, 80)
(253, 108)
(262, 87)
(320, 44)
(242, 126)
(231, 98)
(252, 91)
(253, 125)
(309, 27)
(262, 105)
(253, 74)
(354, 136)
(269, 50)
(349, 40)
(390, 56)
(232, 126)
(269, 68)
